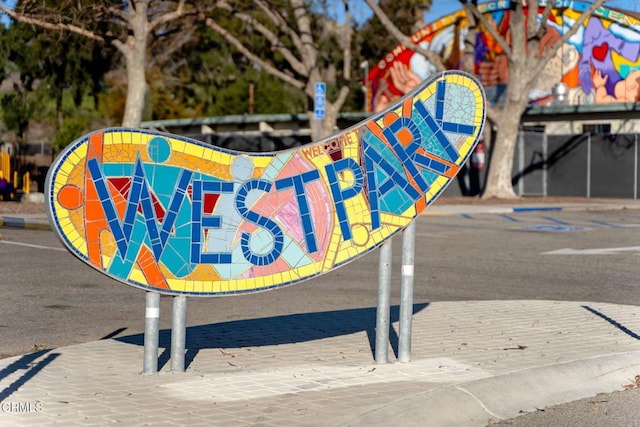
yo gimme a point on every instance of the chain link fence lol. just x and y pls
(587, 165)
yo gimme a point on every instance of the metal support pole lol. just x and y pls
(589, 166)
(406, 292)
(521, 162)
(635, 167)
(151, 333)
(178, 332)
(545, 150)
(384, 304)
(318, 135)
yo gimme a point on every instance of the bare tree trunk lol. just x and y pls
(324, 127)
(135, 53)
(499, 175)
(136, 88)
(508, 123)
(330, 123)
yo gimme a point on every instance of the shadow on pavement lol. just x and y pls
(30, 365)
(613, 322)
(277, 330)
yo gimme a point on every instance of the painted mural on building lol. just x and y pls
(599, 64)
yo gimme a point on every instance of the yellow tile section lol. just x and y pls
(137, 276)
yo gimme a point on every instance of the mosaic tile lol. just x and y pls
(173, 215)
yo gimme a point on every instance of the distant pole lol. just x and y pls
(318, 134)
(319, 107)
(365, 66)
(384, 304)
(635, 167)
(251, 99)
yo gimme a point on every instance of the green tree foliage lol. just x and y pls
(57, 72)
(219, 80)
(17, 110)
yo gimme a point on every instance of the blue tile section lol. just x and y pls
(341, 195)
(199, 222)
(259, 220)
(298, 183)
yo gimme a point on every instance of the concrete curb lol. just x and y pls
(25, 222)
(480, 402)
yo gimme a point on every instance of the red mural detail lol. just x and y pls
(123, 185)
(209, 203)
(600, 52)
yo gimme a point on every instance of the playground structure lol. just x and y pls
(11, 184)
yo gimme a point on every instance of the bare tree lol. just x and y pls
(526, 58)
(128, 26)
(293, 41)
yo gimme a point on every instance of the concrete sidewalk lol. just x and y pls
(472, 362)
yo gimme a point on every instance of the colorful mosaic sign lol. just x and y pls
(599, 64)
(177, 216)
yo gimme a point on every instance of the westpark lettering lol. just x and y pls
(378, 174)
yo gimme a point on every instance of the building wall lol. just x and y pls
(600, 64)
(576, 127)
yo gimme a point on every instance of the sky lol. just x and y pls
(10, 4)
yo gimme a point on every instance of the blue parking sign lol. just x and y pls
(319, 100)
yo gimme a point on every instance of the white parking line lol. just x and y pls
(29, 245)
(596, 251)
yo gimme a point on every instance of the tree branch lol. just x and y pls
(272, 38)
(532, 17)
(120, 14)
(251, 56)
(170, 16)
(25, 19)
(517, 31)
(489, 26)
(346, 54)
(403, 39)
(122, 47)
(173, 45)
(542, 28)
(280, 22)
(309, 52)
(492, 113)
(536, 31)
